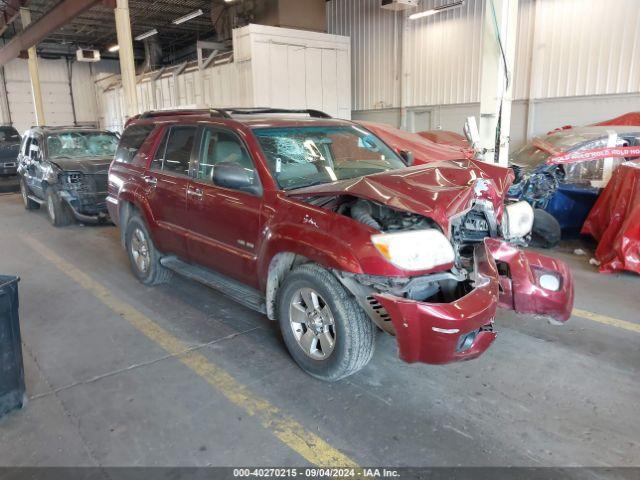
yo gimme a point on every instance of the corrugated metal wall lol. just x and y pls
(573, 47)
(375, 41)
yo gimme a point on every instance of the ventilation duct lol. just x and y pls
(152, 56)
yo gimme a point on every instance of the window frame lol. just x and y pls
(164, 142)
(196, 161)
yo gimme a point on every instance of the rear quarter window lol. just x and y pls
(131, 141)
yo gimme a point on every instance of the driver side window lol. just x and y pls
(220, 147)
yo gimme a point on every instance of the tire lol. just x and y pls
(352, 332)
(58, 213)
(546, 231)
(24, 191)
(144, 257)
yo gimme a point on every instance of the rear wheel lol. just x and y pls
(546, 231)
(58, 212)
(326, 332)
(24, 191)
(143, 255)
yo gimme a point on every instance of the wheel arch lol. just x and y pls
(128, 204)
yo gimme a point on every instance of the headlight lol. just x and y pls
(415, 249)
(517, 220)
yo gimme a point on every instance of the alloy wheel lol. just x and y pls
(51, 209)
(140, 251)
(312, 324)
(23, 191)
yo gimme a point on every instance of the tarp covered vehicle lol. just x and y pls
(564, 172)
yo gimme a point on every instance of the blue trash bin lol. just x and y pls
(11, 367)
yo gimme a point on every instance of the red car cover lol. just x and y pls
(631, 118)
(615, 221)
(445, 137)
(424, 151)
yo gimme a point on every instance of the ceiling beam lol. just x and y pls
(59, 15)
(9, 12)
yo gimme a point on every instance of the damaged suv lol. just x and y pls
(320, 225)
(65, 169)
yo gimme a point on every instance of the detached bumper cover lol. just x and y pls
(439, 333)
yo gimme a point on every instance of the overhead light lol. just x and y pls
(187, 17)
(148, 34)
(435, 10)
(114, 48)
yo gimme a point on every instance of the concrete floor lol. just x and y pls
(102, 393)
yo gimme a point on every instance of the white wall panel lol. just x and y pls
(565, 48)
(270, 67)
(375, 40)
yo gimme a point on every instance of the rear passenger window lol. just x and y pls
(131, 141)
(156, 163)
(177, 153)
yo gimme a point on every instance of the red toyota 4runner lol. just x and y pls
(320, 225)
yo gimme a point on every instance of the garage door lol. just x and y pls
(56, 97)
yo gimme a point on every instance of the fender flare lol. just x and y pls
(283, 249)
(128, 200)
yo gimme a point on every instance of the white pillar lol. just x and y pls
(500, 26)
(127, 65)
(34, 73)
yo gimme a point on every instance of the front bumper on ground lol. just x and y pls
(439, 333)
(87, 209)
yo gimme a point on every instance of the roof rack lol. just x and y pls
(267, 110)
(213, 112)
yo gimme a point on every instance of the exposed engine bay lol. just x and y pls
(382, 217)
(467, 230)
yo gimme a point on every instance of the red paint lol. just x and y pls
(414, 321)
(615, 221)
(206, 231)
(438, 190)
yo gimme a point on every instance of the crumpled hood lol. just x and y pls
(88, 166)
(438, 190)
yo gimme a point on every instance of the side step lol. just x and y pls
(241, 293)
(35, 199)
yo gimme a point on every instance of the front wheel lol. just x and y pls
(326, 332)
(143, 255)
(58, 212)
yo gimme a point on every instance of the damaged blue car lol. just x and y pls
(562, 173)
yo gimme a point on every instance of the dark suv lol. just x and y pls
(66, 168)
(9, 145)
(320, 225)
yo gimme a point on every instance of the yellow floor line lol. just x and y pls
(286, 429)
(614, 322)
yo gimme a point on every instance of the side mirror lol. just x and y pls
(407, 156)
(232, 175)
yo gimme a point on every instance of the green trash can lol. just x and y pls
(12, 392)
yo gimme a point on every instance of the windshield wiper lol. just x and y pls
(313, 184)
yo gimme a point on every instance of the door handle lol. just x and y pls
(195, 192)
(153, 181)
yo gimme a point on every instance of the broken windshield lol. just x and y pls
(81, 144)
(303, 156)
